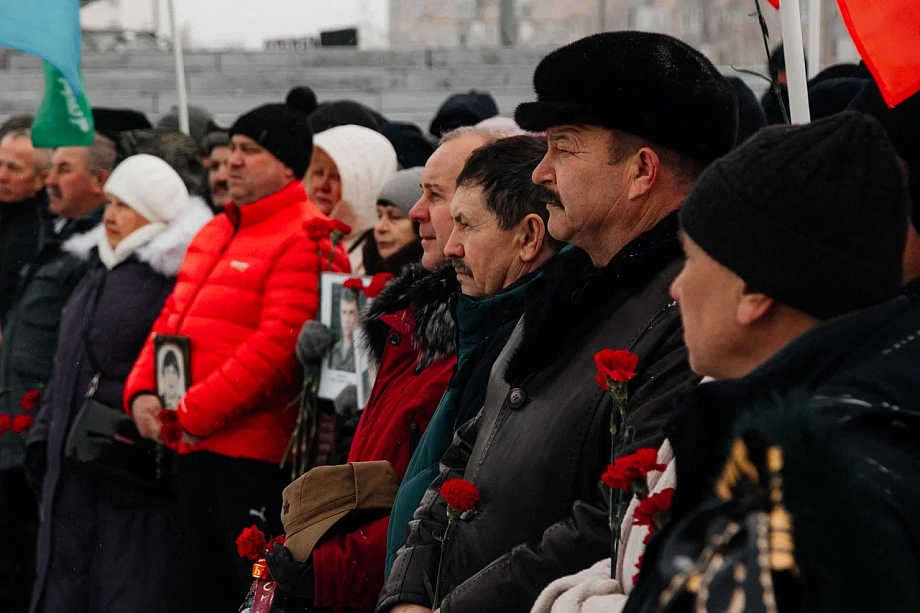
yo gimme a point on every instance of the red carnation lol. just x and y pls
(460, 494)
(653, 511)
(378, 282)
(627, 470)
(619, 366)
(251, 543)
(339, 226)
(21, 423)
(6, 423)
(318, 228)
(29, 401)
(354, 283)
(171, 431)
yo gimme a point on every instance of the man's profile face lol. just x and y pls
(587, 187)
(254, 172)
(218, 175)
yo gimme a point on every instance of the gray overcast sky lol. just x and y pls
(221, 23)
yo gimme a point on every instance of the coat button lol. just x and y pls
(395, 339)
(516, 398)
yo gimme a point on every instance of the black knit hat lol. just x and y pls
(284, 131)
(814, 216)
(650, 85)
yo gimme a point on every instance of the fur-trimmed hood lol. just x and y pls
(428, 297)
(165, 252)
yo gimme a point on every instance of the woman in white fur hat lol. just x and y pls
(104, 543)
(349, 166)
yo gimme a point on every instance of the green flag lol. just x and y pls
(63, 119)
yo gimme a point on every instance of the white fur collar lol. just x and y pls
(81, 245)
(166, 251)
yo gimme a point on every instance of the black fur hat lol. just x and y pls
(650, 85)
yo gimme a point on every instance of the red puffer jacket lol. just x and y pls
(412, 335)
(248, 282)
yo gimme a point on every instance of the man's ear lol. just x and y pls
(752, 306)
(101, 176)
(532, 237)
(643, 172)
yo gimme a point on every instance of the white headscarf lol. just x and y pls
(153, 190)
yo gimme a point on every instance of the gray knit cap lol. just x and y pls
(403, 189)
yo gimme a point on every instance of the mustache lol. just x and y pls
(54, 192)
(460, 266)
(552, 197)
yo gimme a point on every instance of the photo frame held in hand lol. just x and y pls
(347, 363)
(173, 370)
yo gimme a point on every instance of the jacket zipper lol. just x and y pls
(194, 296)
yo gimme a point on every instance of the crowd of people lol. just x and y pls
(763, 278)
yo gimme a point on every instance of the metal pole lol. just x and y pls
(507, 26)
(814, 37)
(602, 15)
(180, 69)
(795, 61)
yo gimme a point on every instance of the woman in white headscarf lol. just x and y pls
(349, 166)
(107, 544)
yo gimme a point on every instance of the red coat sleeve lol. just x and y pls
(348, 568)
(265, 361)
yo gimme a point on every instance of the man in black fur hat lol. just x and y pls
(631, 119)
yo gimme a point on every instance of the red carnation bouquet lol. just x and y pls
(628, 476)
(461, 497)
(252, 545)
(614, 369)
(300, 445)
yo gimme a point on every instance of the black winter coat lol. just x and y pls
(30, 330)
(130, 297)
(21, 225)
(861, 372)
(537, 449)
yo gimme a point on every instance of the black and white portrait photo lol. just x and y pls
(346, 363)
(173, 376)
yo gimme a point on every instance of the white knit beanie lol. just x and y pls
(365, 160)
(150, 186)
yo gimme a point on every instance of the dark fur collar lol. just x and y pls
(429, 295)
(568, 301)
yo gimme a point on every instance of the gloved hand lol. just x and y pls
(346, 403)
(314, 340)
(295, 578)
(36, 465)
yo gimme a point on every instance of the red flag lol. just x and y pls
(775, 3)
(887, 35)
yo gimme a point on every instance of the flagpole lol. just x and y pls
(795, 61)
(814, 37)
(180, 69)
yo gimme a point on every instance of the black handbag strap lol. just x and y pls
(92, 305)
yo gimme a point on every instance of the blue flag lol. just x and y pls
(49, 29)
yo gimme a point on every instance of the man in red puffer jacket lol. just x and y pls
(249, 280)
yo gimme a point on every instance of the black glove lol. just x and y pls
(35, 465)
(295, 578)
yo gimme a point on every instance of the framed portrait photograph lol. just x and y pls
(173, 368)
(346, 363)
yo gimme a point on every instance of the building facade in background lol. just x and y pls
(727, 31)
